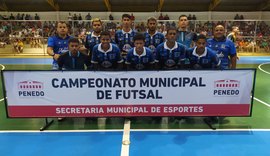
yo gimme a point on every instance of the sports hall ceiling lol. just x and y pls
(134, 5)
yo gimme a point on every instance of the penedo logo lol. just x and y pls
(226, 87)
(30, 89)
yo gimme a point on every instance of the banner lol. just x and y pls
(128, 93)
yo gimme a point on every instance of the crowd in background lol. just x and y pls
(253, 35)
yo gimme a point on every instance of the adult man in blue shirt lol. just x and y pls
(106, 55)
(224, 47)
(58, 44)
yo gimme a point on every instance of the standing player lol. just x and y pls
(202, 57)
(170, 54)
(152, 37)
(106, 56)
(73, 59)
(224, 47)
(124, 37)
(93, 38)
(58, 44)
(183, 35)
(140, 57)
(233, 36)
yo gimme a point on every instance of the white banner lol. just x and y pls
(132, 93)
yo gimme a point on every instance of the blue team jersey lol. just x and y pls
(185, 38)
(153, 41)
(140, 62)
(224, 49)
(91, 40)
(59, 45)
(208, 60)
(106, 59)
(170, 58)
(124, 40)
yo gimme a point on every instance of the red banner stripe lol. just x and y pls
(130, 110)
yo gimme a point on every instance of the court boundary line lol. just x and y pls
(132, 130)
(260, 68)
(3, 67)
(126, 139)
(262, 102)
(198, 130)
(266, 72)
(59, 131)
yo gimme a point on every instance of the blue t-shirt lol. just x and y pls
(208, 60)
(185, 37)
(170, 58)
(153, 41)
(140, 62)
(91, 40)
(59, 45)
(224, 49)
(106, 59)
(124, 40)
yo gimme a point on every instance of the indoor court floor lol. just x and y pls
(234, 136)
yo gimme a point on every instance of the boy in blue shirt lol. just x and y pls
(170, 54)
(139, 57)
(152, 37)
(93, 38)
(106, 56)
(202, 57)
(124, 37)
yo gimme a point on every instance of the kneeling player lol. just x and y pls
(202, 57)
(73, 59)
(139, 57)
(106, 56)
(170, 54)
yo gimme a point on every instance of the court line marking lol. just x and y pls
(268, 105)
(198, 130)
(3, 67)
(59, 131)
(260, 68)
(126, 139)
(133, 130)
